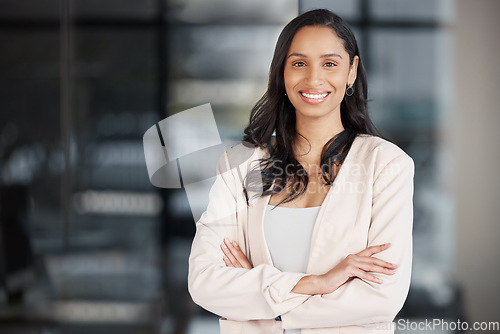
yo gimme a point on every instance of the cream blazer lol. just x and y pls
(369, 203)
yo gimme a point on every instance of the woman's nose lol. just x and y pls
(314, 76)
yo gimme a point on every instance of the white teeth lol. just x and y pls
(314, 96)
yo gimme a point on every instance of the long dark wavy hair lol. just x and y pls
(275, 113)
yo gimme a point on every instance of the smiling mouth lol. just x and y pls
(315, 96)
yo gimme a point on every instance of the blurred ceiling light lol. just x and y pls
(219, 92)
(202, 11)
(117, 203)
(92, 312)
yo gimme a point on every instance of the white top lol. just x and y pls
(288, 233)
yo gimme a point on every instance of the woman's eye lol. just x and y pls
(298, 64)
(330, 64)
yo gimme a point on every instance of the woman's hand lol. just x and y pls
(233, 256)
(354, 265)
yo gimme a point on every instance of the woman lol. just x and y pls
(308, 230)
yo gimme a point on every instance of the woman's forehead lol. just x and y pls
(311, 41)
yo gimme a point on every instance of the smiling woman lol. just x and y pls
(316, 72)
(343, 195)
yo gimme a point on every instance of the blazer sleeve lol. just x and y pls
(360, 302)
(262, 292)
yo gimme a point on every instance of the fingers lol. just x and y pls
(364, 267)
(227, 261)
(230, 259)
(240, 256)
(367, 253)
(233, 256)
(374, 250)
(376, 267)
(367, 276)
(382, 263)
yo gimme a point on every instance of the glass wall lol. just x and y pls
(80, 82)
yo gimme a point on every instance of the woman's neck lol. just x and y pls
(318, 132)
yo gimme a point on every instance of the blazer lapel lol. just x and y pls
(259, 252)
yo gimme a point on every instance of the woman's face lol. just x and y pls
(317, 72)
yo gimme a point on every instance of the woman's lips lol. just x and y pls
(315, 97)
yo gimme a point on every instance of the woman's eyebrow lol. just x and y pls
(296, 54)
(331, 55)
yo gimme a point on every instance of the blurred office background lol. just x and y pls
(88, 245)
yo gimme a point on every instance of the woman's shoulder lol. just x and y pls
(379, 150)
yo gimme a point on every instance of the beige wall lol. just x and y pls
(475, 139)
